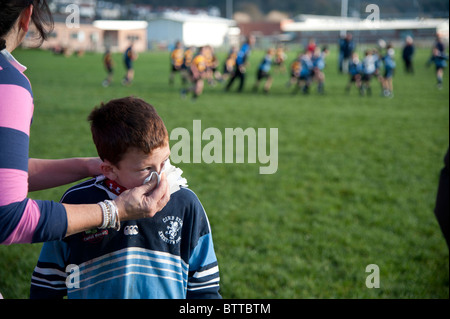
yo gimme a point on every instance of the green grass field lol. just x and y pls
(356, 182)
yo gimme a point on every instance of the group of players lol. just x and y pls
(362, 71)
(306, 70)
(197, 65)
(203, 65)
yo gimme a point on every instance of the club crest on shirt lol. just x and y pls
(172, 231)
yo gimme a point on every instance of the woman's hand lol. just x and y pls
(143, 201)
(93, 166)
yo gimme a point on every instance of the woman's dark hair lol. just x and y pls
(10, 11)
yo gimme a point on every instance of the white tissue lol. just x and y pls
(173, 175)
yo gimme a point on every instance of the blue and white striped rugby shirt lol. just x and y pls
(168, 256)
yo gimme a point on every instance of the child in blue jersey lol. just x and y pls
(439, 58)
(264, 72)
(306, 72)
(318, 61)
(355, 69)
(389, 69)
(168, 256)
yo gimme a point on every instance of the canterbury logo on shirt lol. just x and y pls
(131, 230)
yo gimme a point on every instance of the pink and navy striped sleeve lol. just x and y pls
(22, 220)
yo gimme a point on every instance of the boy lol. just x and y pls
(168, 256)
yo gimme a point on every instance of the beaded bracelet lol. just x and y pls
(110, 215)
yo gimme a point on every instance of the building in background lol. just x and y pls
(115, 35)
(326, 29)
(192, 30)
(107, 25)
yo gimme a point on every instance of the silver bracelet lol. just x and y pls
(106, 215)
(110, 215)
(114, 222)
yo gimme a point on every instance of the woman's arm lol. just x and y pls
(44, 173)
(140, 202)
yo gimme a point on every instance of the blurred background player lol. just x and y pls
(264, 72)
(197, 75)
(230, 63)
(407, 55)
(389, 69)
(306, 71)
(128, 58)
(378, 74)
(176, 61)
(296, 67)
(241, 64)
(346, 49)
(439, 58)
(280, 59)
(109, 66)
(311, 45)
(188, 56)
(318, 61)
(215, 63)
(355, 70)
(212, 63)
(368, 71)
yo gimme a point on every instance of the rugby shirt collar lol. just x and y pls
(114, 187)
(9, 57)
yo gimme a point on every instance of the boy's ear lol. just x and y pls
(108, 170)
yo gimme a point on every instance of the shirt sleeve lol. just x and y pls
(22, 220)
(203, 278)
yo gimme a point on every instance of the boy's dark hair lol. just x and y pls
(10, 11)
(123, 123)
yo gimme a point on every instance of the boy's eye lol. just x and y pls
(164, 163)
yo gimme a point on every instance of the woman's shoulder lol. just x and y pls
(9, 75)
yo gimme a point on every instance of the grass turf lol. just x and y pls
(356, 182)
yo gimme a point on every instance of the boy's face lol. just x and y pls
(136, 166)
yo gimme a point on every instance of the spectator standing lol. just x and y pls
(408, 53)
